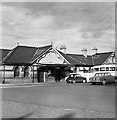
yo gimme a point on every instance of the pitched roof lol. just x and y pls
(100, 58)
(28, 55)
(25, 55)
(3, 54)
(71, 59)
(39, 52)
(20, 55)
(97, 59)
(86, 60)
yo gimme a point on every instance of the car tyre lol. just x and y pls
(74, 81)
(104, 82)
(84, 81)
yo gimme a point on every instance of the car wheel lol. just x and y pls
(104, 82)
(115, 80)
(84, 81)
(74, 81)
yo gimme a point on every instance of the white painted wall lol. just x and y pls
(52, 58)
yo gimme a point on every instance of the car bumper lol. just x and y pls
(96, 81)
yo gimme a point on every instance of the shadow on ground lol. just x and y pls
(69, 116)
(25, 117)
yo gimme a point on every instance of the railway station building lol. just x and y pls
(47, 62)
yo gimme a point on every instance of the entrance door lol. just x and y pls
(58, 74)
(16, 71)
(40, 74)
(26, 71)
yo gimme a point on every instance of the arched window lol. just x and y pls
(16, 71)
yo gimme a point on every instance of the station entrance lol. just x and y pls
(49, 72)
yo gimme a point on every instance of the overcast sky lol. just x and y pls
(74, 24)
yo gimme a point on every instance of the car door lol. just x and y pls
(108, 78)
(78, 78)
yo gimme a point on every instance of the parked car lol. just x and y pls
(103, 78)
(75, 78)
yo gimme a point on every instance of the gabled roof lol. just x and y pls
(97, 59)
(39, 52)
(71, 59)
(3, 54)
(20, 55)
(100, 58)
(86, 60)
(23, 55)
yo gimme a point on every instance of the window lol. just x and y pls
(96, 69)
(116, 68)
(78, 75)
(105, 74)
(96, 75)
(100, 74)
(107, 68)
(91, 71)
(102, 69)
(112, 68)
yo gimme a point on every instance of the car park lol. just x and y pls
(103, 78)
(75, 78)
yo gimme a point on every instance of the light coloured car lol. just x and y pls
(103, 78)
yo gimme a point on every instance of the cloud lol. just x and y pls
(18, 25)
(73, 24)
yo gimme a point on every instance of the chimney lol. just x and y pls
(17, 44)
(94, 50)
(84, 51)
(63, 48)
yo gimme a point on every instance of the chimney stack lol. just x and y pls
(17, 44)
(94, 50)
(84, 51)
(63, 48)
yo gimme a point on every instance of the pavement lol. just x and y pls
(62, 101)
(25, 110)
(15, 82)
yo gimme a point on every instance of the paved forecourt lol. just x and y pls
(97, 100)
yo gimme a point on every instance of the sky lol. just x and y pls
(76, 25)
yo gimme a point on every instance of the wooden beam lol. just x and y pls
(44, 77)
(33, 75)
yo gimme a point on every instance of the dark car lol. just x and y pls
(75, 78)
(103, 78)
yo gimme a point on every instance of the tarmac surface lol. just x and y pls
(58, 99)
